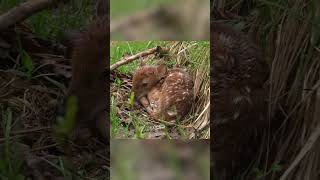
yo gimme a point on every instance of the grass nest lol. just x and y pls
(132, 121)
(288, 31)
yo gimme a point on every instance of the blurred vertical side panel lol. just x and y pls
(160, 159)
(239, 74)
(160, 20)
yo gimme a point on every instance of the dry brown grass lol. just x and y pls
(201, 79)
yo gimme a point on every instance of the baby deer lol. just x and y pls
(166, 94)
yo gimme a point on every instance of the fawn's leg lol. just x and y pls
(146, 104)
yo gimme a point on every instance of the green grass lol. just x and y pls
(10, 154)
(120, 48)
(120, 8)
(122, 130)
(117, 127)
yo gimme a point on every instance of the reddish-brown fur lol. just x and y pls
(166, 94)
(238, 73)
(88, 83)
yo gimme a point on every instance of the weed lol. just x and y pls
(11, 155)
(26, 63)
(66, 124)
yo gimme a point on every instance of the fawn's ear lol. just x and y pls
(162, 70)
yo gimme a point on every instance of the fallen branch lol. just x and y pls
(129, 59)
(23, 11)
(306, 148)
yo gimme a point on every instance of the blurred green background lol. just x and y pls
(120, 8)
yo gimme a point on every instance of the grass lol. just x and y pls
(120, 48)
(289, 33)
(128, 122)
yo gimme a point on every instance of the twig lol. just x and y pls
(23, 11)
(128, 59)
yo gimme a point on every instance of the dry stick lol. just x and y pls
(312, 139)
(23, 11)
(129, 59)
